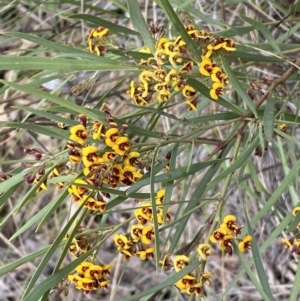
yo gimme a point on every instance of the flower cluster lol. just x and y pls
(142, 233)
(116, 165)
(209, 68)
(96, 40)
(90, 276)
(294, 242)
(81, 244)
(227, 232)
(160, 82)
(191, 282)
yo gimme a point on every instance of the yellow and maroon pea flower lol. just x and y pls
(78, 134)
(77, 191)
(160, 194)
(192, 105)
(180, 262)
(245, 243)
(170, 48)
(147, 234)
(111, 136)
(146, 253)
(196, 288)
(145, 77)
(159, 75)
(98, 130)
(229, 45)
(226, 244)
(163, 95)
(100, 32)
(172, 77)
(122, 242)
(140, 216)
(205, 278)
(204, 250)
(160, 56)
(188, 92)
(296, 210)
(187, 281)
(206, 66)
(187, 67)
(89, 155)
(217, 235)
(80, 269)
(229, 224)
(216, 90)
(161, 43)
(218, 76)
(175, 58)
(131, 158)
(166, 262)
(136, 232)
(121, 145)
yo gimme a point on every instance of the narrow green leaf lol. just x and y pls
(178, 173)
(295, 289)
(237, 85)
(28, 258)
(140, 24)
(265, 31)
(240, 161)
(59, 101)
(42, 129)
(101, 22)
(180, 29)
(49, 254)
(60, 64)
(53, 46)
(258, 263)
(268, 118)
(196, 197)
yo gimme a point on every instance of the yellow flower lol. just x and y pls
(188, 92)
(78, 133)
(159, 74)
(77, 191)
(131, 158)
(163, 95)
(229, 45)
(187, 67)
(296, 210)
(99, 32)
(170, 48)
(175, 58)
(204, 250)
(160, 56)
(148, 253)
(111, 136)
(287, 243)
(161, 43)
(245, 243)
(147, 235)
(217, 89)
(172, 77)
(136, 232)
(206, 66)
(121, 242)
(217, 235)
(180, 262)
(89, 155)
(98, 130)
(121, 145)
(192, 105)
(145, 77)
